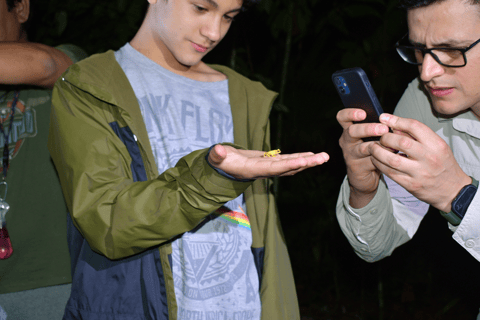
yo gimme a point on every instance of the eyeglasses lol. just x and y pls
(448, 57)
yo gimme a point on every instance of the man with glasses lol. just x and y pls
(436, 131)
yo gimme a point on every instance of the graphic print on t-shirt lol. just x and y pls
(213, 266)
(24, 125)
(184, 125)
(213, 269)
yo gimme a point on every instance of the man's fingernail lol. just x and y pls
(380, 130)
(359, 114)
(385, 117)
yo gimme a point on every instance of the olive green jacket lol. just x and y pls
(122, 217)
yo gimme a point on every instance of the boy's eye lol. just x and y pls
(200, 9)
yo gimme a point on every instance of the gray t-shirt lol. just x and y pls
(213, 268)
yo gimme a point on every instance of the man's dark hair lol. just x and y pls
(12, 3)
(411, 4)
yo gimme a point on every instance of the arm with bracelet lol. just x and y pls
(394, 215)
(461, 203)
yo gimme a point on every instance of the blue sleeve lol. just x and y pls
(3, 314)
(223, 173)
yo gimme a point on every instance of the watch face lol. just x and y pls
(462, 201)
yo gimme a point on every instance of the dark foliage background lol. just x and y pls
(293, 47)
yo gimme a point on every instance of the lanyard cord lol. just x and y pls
(6, 135)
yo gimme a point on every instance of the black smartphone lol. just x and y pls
(356, 91)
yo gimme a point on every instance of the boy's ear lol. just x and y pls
(22, 10)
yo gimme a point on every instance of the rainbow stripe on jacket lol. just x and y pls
(235, 217)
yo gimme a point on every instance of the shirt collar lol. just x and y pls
(465, 122)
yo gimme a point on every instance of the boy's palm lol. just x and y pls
(251, 164)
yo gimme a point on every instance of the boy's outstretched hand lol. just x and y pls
(251, 164)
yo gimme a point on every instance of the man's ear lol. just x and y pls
(22, 10)
(152, 1)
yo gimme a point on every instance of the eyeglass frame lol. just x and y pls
(429, 51)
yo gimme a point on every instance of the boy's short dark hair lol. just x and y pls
(249, 3)
(12, 3)
(411, 4)
(245, 5)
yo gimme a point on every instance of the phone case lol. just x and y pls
(356, 92)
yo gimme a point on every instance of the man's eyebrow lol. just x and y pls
(446, 44)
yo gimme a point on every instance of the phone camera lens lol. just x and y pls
(338, 81)
(342, 89)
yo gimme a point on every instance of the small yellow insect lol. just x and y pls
(271, 153)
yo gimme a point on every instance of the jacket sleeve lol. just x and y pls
(117, 216)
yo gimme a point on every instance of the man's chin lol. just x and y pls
(447, 110)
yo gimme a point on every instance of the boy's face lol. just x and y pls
(456, 24)
(186, 30)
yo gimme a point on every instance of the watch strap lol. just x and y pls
(461, 203)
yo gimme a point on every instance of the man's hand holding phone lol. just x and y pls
(362, 174)
(428, 170)
(361, 127)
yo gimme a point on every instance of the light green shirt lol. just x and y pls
(394, 215)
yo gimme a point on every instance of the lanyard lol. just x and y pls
(6, 249)
(6, 155)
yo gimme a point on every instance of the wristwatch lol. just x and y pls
(460, 203)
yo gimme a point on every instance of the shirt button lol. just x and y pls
(470, 243)
(374, 211)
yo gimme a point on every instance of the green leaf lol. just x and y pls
(281, 108)
(351, 59)
(367, 47)
(280, 24)
(61, 22)
(122, 5)
(337, 21)
(266, 5)
(302, 21)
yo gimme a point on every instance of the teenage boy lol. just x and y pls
(163, 227)
(436, 130)
(34, 260)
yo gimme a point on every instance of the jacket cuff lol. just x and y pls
(223, 173)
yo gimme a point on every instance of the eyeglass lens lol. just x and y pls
(444, 56)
